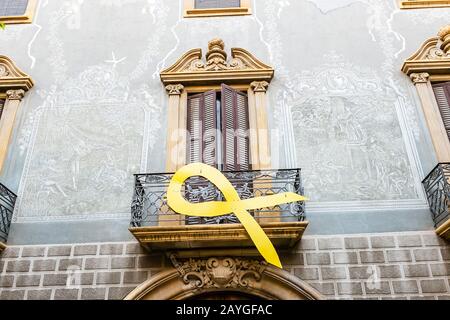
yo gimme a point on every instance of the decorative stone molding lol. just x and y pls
(444, 36)
(259, 86)
(433, 57)
(220, 272)
(15, 94)
(419, 77)
(431, 63)
(191, 69)
(11, 77)
(14, 83)
(170, 237)
(198, 276)
(174, 89)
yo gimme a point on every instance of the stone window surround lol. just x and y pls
(191, 12)
(420, 4)
(192, 74)
(27, 17)
(431, 64)
(14, 83)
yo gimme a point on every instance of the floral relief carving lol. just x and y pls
(259, 86)
(216, 61)
(174, 89)
(220, 272)
(420, 77)
(15, 94)
(3, 71)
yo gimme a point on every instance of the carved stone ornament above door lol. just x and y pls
(217, 67)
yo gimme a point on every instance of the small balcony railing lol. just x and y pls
(437, 188)
(150, 208)
(7, 202)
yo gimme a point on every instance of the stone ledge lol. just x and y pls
(2, 247)
(444, 230)
(282, 234)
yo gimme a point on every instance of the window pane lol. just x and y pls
(13, 7)
(209, 4)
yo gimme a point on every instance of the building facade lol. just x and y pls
(344, 101)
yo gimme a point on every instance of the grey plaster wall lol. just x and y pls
(339, 106)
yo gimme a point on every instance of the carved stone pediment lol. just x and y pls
(433, 57)
(11, 77)
(216, 66)
(220, 272)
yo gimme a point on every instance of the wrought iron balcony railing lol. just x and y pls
(437, 187)
(7, 202)
(149, 206)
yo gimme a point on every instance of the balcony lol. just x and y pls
(157, 227)
(7, 202)
(437, 187)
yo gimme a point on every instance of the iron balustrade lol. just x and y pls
(437, 188)
(150, 208)
(7, 202)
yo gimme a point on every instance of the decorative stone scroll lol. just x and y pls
(216, 67)
(433, 57)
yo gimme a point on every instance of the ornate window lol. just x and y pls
(13, 85)
(17, 11)
(208, 8)
(415, 4)
(429, 69)
(195, 84)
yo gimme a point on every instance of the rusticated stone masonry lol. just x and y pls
(412, 265)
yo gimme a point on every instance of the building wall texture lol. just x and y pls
(410, 265)
(339, 108)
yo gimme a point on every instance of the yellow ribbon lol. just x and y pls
(233, 204)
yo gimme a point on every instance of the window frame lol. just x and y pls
(191, 12)
(422, 4)
(26, 18)
(14, 84)
(221, 145)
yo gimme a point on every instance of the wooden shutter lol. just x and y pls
(235, 125)
(212, 4)
(202, 128)
(442, 93)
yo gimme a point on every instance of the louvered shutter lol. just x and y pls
(442, 93)
(235, 125)
(202, 128)
(211, 4)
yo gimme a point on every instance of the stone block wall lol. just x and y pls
(413, 265)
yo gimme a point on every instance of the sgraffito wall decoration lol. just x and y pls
(339, 106)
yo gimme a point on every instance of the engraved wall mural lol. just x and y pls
(339, 115)
(342, 109)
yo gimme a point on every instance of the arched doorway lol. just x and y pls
(224, 279)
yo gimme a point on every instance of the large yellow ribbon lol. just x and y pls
(233, 204)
